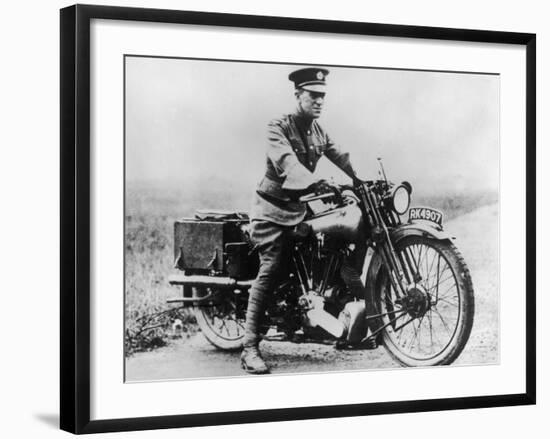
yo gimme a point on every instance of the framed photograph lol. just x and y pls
(275, 218)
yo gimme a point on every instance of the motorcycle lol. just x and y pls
(420, 290)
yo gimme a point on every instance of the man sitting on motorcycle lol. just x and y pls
(296, 142)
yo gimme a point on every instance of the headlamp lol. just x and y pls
(401, 197)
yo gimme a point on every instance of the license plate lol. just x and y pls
(427, 214)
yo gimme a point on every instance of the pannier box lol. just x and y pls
(200, 245)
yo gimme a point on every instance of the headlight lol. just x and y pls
(401, 198)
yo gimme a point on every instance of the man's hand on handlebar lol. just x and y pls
(321, 187)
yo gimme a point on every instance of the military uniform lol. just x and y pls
(294, 147)
(295, 143)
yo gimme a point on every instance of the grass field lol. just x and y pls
(150, 214)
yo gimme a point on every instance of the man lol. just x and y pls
(295, 144)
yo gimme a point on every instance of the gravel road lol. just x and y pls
(194, 357)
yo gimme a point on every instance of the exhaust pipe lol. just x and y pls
(197, 280)
(316, 316)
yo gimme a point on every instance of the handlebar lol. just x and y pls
(313, 197)
(335, 193)
(338, 190)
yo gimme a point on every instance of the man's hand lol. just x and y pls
(324, 187)
(321, 187)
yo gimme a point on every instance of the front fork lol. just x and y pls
(402, 272)
(402, 269)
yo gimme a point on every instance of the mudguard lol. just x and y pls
(409, 229)
(419, 229)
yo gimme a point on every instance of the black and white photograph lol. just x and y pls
(290, 219)
(300, 219)
(278, 217)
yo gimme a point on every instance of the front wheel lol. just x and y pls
(222, 319)
(431, 324)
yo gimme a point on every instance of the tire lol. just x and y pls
(222, 319)
(431, 326)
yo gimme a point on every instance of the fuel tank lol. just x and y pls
(345, 223)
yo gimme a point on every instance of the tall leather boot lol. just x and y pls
(251, 359)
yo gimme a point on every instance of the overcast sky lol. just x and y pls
(189, 120)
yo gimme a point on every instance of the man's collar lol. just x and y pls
(302, 121)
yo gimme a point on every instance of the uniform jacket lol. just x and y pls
(294, 146)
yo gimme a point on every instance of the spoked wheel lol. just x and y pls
(431, 324)
(222, 319)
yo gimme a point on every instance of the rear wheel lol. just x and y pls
(431, 324)
(222, 319)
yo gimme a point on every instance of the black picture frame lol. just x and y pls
(75, 217)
